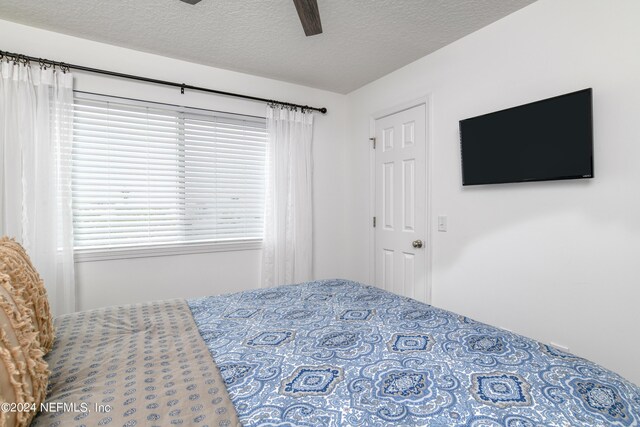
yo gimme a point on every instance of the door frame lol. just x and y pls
(427, 102)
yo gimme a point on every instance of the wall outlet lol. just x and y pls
(442, 223)
(560, 347)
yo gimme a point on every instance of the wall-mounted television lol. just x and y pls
(544, 140)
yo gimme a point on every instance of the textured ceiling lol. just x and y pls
(362, 41)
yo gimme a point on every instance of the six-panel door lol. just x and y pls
(400, 205)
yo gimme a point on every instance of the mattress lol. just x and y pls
(338, 353)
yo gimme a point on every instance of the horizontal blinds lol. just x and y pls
(146, 173)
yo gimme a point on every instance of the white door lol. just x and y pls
(400, 205)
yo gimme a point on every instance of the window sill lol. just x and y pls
(90, 255)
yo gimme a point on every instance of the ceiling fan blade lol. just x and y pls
(191, 2)
(309, 16)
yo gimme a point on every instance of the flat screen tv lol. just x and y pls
(544, 140)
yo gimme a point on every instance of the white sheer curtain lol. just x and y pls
(36, 115)
(287, 245)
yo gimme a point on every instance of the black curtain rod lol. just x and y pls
(64, 66)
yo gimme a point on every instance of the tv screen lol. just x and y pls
(544, 140)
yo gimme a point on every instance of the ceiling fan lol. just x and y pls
(308, 13)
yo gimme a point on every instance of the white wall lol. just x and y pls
(104, 283)
(556, 261)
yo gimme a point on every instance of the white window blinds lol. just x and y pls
(150, 174)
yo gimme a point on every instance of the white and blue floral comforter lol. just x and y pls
(337, 353)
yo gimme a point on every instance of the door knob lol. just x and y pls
(417, 244)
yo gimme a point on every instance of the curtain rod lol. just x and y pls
(64, 66)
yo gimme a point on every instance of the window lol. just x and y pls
(152, 175)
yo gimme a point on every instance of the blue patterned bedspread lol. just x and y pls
(337, 353)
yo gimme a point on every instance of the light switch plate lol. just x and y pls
(442, 223)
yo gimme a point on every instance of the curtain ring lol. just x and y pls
(64, 67)
(43, 64)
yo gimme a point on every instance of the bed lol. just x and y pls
(323, 353)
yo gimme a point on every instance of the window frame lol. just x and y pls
(133, 251)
